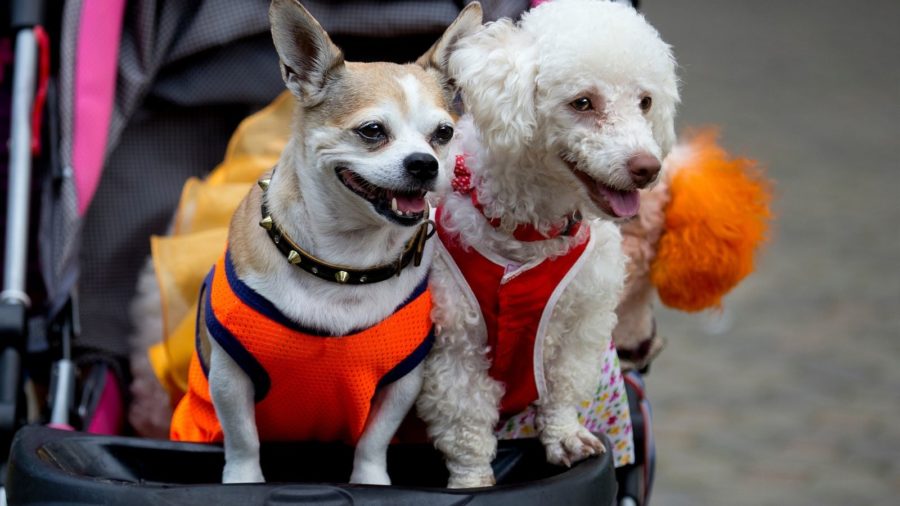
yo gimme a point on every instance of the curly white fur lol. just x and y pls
(521, 138)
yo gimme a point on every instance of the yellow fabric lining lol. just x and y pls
(200, 232)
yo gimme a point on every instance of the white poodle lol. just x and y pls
(569, 113)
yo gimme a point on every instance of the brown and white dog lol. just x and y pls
(349, 189)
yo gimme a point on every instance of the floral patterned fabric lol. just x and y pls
(605, 412)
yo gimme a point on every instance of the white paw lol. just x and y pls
(247, 471)
(473, 479)
(572, 446)
(369, 474)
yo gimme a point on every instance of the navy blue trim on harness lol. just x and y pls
(419, 290)
(409, 363)
(206, 283)
(248, 363)
(265, 307)
(254, 370)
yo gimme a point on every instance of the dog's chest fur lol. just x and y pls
(306, 299)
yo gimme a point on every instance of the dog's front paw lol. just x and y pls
(242, 472)
(369, 474)
(567, 447)
(474, 479)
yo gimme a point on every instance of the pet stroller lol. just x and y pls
(38, 306)
(178, 77)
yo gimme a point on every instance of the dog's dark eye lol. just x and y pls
(443, 134)
(646, 103)
(372, 132)
(582, 104)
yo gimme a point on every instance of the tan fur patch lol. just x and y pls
(366, 85)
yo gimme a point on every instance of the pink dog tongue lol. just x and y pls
(410, 204)
(625, 204)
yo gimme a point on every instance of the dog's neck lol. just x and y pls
(325, 228)
(506, 187)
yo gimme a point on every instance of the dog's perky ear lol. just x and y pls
(437, 57)
(308, 57)
(496, 69)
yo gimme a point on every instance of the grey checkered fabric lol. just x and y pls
(60, 225)
(189, 71)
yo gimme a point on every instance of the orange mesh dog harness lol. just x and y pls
(308, 386)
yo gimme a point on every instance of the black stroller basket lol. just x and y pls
(48, 466)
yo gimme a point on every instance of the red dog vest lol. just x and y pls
(516, 302)
(307, 386)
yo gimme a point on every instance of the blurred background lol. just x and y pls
(792, 394)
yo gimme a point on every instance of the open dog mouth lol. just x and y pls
(612, 201)
(406, 207)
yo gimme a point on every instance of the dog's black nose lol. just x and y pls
(421, 166)
(643, 168)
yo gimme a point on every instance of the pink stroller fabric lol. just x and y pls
(97, 52)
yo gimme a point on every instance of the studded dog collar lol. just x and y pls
(295, 255)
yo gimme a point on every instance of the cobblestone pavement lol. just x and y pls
(792, 395)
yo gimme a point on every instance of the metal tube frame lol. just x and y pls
(19, 192)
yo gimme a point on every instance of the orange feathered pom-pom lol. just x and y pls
(717, 216)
